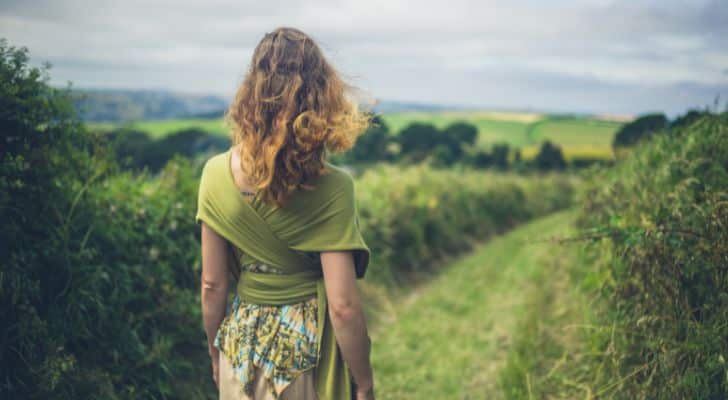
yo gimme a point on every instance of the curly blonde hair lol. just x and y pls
(291, 109)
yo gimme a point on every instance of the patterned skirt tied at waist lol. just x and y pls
(301, 292)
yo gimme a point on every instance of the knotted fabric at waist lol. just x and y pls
(278, 289)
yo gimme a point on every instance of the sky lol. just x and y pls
(595, 56)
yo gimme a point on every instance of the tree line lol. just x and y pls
(415, 144)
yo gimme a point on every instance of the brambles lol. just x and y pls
(663, 215)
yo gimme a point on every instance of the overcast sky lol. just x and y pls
(584, 56)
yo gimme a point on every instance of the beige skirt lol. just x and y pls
(302, 388)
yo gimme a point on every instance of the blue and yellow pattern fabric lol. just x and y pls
(280, 340)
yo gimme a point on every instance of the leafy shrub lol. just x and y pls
(136, 150)
(412, 217)
(420, 141)
(664, 214)
(130, 146)
(585, 162)
(549, 157)
(688, 118)
(98, 295)
(640, 128)
(373, 145)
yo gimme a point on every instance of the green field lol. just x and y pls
(578, 136)
(161, 128)
(483, 301)
(492, 127)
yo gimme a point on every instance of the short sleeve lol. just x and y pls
(348, 227)
(203, 195)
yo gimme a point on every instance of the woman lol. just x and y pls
(284, 219)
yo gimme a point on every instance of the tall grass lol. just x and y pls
(646, 315)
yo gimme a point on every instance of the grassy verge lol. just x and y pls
(452, 337)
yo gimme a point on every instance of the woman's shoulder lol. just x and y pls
(336, 177)
(334, 182)
(215, 163)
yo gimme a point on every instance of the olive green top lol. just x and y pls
(324, 219)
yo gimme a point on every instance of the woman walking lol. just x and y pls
(281, 218)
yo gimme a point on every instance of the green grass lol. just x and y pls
(158, 129)
(575, 132)
(451, 337)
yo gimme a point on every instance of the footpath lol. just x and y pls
(451, 336)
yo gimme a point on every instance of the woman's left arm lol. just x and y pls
(214, 288)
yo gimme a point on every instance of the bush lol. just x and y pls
(98, 295)
(585, 162)
(131, 146)
(136, 150)
(373, 145)
(549, 157)
(413, 217)
(500, 154)
(664, 214)
(640, 128)
(421, 141)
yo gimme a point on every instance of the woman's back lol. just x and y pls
(297, 242)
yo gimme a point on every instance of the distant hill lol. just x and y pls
(135, 105)
(384, 106)
(112, 105)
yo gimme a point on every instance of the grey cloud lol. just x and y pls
(453, 52)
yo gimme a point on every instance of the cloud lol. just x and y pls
(435, 51)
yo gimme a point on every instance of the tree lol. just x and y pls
(456, 137)
(463, 132)
(442, 155)
(417, 140)
(373, 145)
(130, 146)
(500, 155)
(136, 150)
(640, 128)
(420, 140)
(482, 159)
(550, 157)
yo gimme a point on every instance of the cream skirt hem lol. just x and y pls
(302, 388)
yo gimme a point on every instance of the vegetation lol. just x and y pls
(639, 129)
(624, 298)
(664, 219)
(99, 262)
(642, 311)
(98, 292)
(550, 157)
(414, 217)
(450, 338)
(100, 267)
(160, 128)
(583, 140)
(137, 151)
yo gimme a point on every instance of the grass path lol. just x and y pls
(450, 338)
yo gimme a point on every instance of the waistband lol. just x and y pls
(278, 289)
